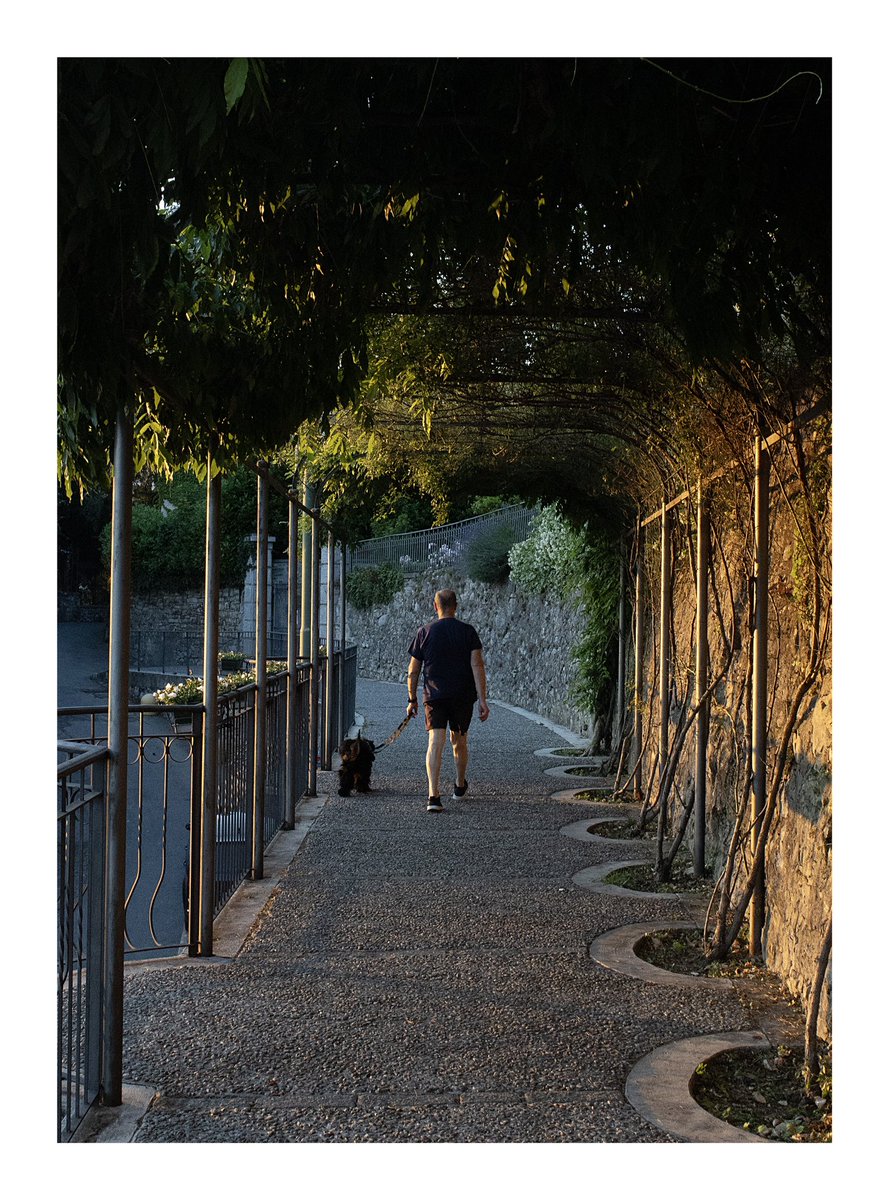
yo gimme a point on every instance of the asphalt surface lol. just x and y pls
(418, 977)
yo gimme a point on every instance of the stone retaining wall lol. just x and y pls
(798, 858)
(183, 612)
(526, 643)
(76, 606)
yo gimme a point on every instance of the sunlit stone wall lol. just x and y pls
(527, 644)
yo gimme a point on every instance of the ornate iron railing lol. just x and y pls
(163, 849)
(81, 837)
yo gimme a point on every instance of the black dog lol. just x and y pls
(357, 757)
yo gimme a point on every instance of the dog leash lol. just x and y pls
(395, 736)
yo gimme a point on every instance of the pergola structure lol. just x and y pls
(623, 256)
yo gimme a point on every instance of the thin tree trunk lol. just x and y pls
(811, 1052)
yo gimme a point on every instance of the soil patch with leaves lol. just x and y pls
(681, 950)
(600, 796)
(642, 879)
(762, 1091)
(765, 1094)
(591, 771)
(625, 830)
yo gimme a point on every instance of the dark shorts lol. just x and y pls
(441, 713)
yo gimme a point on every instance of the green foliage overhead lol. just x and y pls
(480, 505)
(401, 513)
(226, 226)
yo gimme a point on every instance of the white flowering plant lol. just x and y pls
(442, 556)
(551, 559)
(191, 691)
(559, 560)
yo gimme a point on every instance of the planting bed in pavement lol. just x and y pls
(757, 1089)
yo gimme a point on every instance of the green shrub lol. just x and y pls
(550, 560)
(487, 556)
(367, 586)
(560, 560)
(480, 505)
(168, 539)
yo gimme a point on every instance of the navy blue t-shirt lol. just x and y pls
(445, 647)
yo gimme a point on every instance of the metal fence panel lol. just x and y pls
(162, 827)
(444, 545)
(81, 838)
(160, 651)
(276, 749)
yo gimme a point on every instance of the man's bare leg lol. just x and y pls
(461, 757)
(433, 759)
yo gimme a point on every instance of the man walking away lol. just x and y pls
(450, 655)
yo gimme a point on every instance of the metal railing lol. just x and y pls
(169, 650)
(444, 545)
(342, 698)
(81, 842)
(234, 802)
(164, 797)
(163, 847)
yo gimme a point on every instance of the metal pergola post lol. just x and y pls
(305, 593)
(210, 731)
(638, 664)
(343, 727)
(259, 733)
(760, 682)
(664, 648)
(118, 733)
(620, 703)
(291, 798)
(702, 666)
(315, 655)
(328, 637)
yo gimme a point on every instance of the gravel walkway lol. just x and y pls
(418, 977)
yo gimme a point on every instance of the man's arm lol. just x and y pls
(413, 678)
(481, 684)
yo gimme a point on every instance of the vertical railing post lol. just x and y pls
(210, 732)
(344, 728)
(702, 666)
(259, 729)
(118, 733)
(195, 826)
(330, 681)
(760, 683)
(292, 654)
(664, 648)
(314, 688)
(638, 665)
(96, 947)
(305, 594)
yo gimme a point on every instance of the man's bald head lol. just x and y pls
(445, 601)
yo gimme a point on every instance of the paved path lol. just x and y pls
(418, 977)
